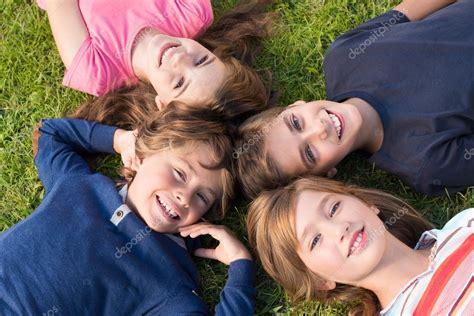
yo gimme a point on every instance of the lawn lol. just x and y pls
(30, 89)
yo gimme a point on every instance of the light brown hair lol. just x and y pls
(271, 230)
(254, 168)
(181, 129)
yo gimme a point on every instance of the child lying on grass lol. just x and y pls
(91, 250)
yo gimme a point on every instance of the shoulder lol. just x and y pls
(369, 31)
(462, 219)
(185, 18)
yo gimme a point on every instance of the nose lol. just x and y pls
(343, 231)
(183, 197)
(318, 130)
(180, 58)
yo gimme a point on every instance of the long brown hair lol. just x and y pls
(270, 225)
(127, 107)
(179, 128)
(235, 38)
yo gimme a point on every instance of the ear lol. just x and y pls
(326, 285)
(375, 209)
(331, 173)
(159, 103)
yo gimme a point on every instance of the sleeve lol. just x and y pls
(202, 16)
(93, 72)
(462, 219)
(237, 297)
(61, 143)
(450, 167)
(378, 25)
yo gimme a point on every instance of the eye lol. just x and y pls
(202, 60)
(309, 154)
(180, 83)
(334, 209)
(315, 241)
(180, 174)
(202, 197)
(295, 122)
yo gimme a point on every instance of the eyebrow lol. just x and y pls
(188, 82)
(322, 205)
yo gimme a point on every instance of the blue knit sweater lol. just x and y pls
(82, 252)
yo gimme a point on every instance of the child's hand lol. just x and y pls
(124, 144)
(229, 248)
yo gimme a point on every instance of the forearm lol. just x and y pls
(417, 10)
(61, 143)
(67, 26)
(238, 295)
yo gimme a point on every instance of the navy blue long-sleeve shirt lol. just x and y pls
(83, 252)
(419, 77)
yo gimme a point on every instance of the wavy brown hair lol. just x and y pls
(271, 230)
(254, 169)
(127, 107)
(181, 129)
(236, 38)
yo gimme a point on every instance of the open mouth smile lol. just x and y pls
(166, 52)
(338, 123)
(357, 243)
(167, 211)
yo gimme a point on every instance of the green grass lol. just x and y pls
(30, 84)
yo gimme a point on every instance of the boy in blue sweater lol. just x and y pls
(90, 250)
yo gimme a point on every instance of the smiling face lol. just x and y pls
(340, 237)
(182, 69)
(313, 137)
(172, 189)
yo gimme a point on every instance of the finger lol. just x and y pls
(206, 253)
(194, 232)
(135, 163)
(202, 229)
(192, 227)
(217, 233)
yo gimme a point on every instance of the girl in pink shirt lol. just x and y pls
(108, 44)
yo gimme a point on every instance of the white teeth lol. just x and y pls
(356, 243)
(337, 123)
(170, 211)
(167, 52)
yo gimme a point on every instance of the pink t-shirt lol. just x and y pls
(103, 62)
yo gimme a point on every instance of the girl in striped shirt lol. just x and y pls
(323, 240)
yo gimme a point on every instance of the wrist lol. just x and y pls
(117, 136)
(242, 255)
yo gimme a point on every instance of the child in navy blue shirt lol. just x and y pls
(400, 87)
(90, 250)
